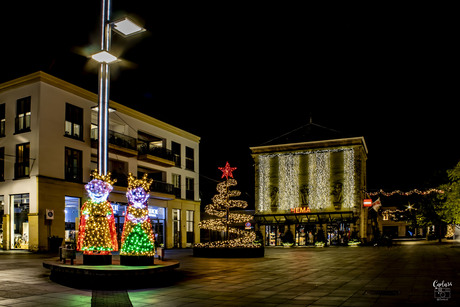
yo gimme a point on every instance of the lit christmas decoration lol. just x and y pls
(220, 207)
(97, 234)
(284, 191)
(415, 191)
(137, 238)
(227, 171)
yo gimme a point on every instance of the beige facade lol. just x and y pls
(47, 149)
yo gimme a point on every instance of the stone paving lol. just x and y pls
(334, 276)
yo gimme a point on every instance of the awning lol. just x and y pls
(305, 218)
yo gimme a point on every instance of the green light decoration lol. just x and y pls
(137, 242)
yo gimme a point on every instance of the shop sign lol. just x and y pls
(247, 225)
(300, 210)
(367, 203)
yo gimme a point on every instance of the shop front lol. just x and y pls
(331, 228)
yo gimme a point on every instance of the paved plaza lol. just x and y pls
(334, 276)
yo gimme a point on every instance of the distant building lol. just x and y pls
(311, 181)
(48, 146)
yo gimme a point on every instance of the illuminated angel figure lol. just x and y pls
(97, 234)
(137, 238)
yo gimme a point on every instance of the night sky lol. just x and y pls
(239, 74)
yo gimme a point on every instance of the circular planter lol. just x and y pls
(97, 259)
(136, 260)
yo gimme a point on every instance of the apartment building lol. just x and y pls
(48, 146)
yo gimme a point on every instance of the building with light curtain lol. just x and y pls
(311, 181)
(48, 146)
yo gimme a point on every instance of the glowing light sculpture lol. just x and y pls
(97, 234)
(220, 207)
(137, 239)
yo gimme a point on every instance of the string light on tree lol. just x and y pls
(220, 207)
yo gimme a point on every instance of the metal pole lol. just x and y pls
(104, 89)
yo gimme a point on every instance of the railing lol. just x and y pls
(117, 138)
(160, 152)
(162, 187)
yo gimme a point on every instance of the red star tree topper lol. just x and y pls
(227, 170)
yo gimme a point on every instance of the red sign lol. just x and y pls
(300, 210)
(367, 203)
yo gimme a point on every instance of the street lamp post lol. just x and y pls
(126, 28)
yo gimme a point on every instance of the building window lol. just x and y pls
(189, 158)
(190, 222)
(2, 164)
(176, 227)
(190, 188)
(175, 148)
(22, 115)
(73, 165)
(22, 165)
(2, 120)
(176, 185)
(73, 121)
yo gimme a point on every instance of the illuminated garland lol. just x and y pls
(97, 233)
(221, 208)
(137, 238)
(285, 192)
(415, 191)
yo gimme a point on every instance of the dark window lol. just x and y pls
(190, 188)
(2, 120)
(73, 165)
(175, 148)
(189, 159)
(2, 164)
(22, 165)
(73, 121)
(22, 115)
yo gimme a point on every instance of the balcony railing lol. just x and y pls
(118, 142)
(161, 152)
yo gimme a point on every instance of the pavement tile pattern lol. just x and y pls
(334, 276)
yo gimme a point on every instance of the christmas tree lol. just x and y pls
(137, 238)
(97, 234)
(225, 221)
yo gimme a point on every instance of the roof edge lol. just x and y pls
(41, 76)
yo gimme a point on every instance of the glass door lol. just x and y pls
(176, 227)
(19, 221)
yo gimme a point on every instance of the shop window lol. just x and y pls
(73, 165)
(157, 218)
(175, 148)
(190, 222)
(73, 122)
(23, 114)
(189, 159)
(2, 120)
(176, 227)
(72, 214)
(22, 164)
(2, 212)
(19, 221)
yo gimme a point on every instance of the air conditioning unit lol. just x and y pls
(49, 214)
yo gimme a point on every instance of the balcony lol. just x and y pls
(156, 155)
(119, 143)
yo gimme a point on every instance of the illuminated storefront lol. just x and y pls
(312, 189)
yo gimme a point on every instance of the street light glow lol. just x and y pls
(127, 27)
(104, 57)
